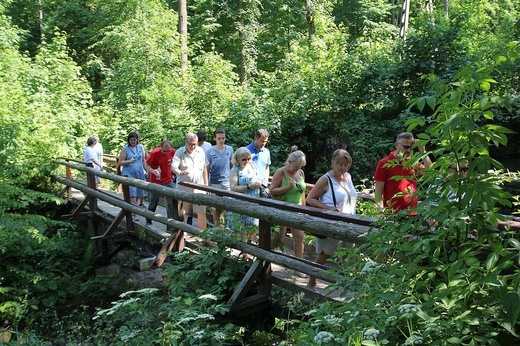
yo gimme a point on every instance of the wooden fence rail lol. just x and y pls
(336, 225)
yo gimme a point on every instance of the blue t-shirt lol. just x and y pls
(262, 160)
(220, 164)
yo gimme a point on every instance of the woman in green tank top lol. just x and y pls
(288, 184)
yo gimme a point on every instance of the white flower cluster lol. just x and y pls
(414, 340)
(219, 336)
(323, 338)
(310, 312)
(370, 334)
(186, 319)
(391, 319)
(208, 297)
(144, 290)
(352, 314)
(115, 308)
(333, 320)
(409, 309)
(198, 335)
(369, 267)
(205, 317)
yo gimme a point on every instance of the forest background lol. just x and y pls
(317, 74)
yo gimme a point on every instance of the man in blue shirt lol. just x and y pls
(260, 154)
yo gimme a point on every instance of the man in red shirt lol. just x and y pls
(158, 166)
(396, 184)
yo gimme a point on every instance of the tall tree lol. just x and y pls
(310, 19)
(183, 32)
(405, 17)
(248, 29)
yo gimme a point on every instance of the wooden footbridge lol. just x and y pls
(121, 229)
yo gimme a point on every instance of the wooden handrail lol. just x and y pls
(281, 205)
(255, 207)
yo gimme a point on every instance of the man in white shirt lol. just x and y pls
(190, 165)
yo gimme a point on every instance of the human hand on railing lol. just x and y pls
(255, 185)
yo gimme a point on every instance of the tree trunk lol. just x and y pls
(446, 9)
(429, 6)
(405, 15)
(310, 19)
(183, 31)
(394, 13)
(243, 54)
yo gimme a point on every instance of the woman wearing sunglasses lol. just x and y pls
(289, 182)
(245, 178)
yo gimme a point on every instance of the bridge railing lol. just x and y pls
(350, 228)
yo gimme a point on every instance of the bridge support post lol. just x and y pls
(102, 245)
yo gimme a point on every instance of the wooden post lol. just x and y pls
(118, 170)
(126, 198)
(69, 176)
(102, 245)
(264, 241)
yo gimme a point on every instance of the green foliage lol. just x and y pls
(45, 111)
(456, 282)
(191, 313)
(41, 264)
(367, 19)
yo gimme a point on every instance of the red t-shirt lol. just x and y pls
(398, 180)
(158, 159)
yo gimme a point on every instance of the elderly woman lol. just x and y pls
(90, 157)
(245, 178)
(333, 191)
(289, 182)
(131, 158)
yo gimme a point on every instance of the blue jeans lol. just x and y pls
(172, 211)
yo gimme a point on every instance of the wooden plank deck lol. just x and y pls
(281, 276)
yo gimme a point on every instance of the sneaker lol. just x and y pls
(142, 206)
(302, 275)
(136, 218)
(149, 222)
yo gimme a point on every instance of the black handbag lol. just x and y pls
(264, 192)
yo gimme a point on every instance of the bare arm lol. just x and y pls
(205, 176)
(275, 188)
(426, 161)
(233, 182)
(122, 157)
(95, 161)
(380, 187)
(145, 153)
(319, 189)
(176, 162)
(150, 170)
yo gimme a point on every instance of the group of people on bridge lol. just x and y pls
(246, 170)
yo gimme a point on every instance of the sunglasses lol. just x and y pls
(300, 188)
(406, 147)
(246, 160)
